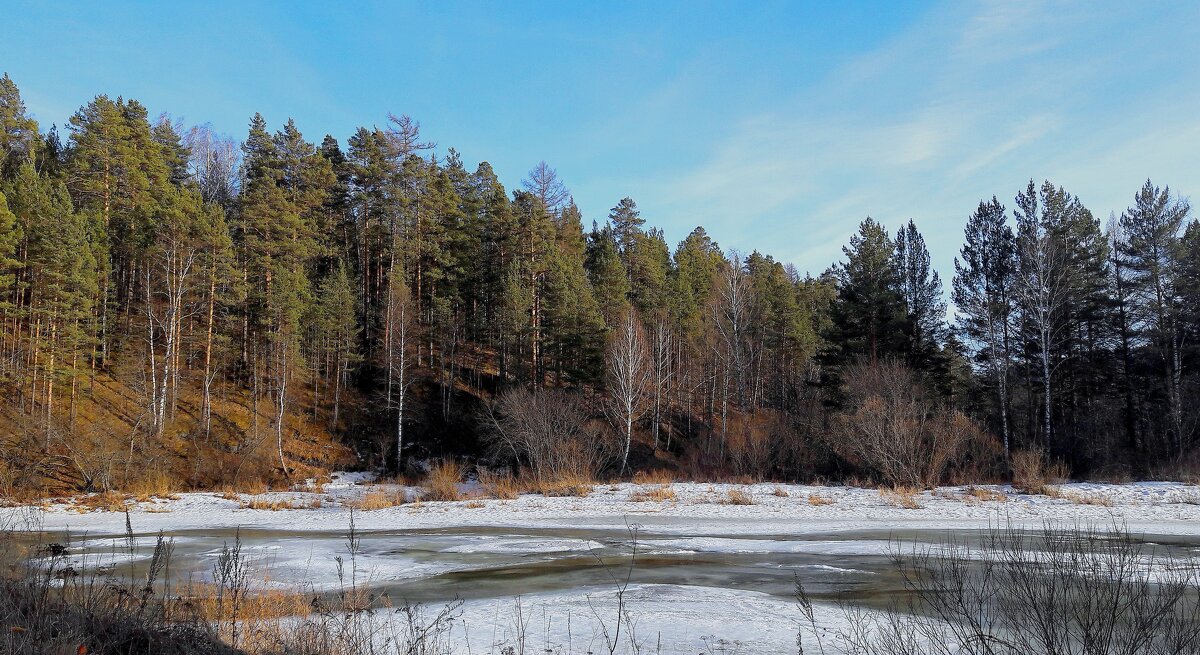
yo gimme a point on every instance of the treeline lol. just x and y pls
(243, 298)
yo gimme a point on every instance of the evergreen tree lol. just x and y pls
(1153, 253)
(921, 289)
(18, 132)
(983, 294)
(607, 273)
(869, 316)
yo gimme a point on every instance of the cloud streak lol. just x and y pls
(970, 102)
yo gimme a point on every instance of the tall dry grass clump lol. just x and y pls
(442, 481)
(379, 499)
(655, 476)
(570, 483)
(1033, 472)
(502, 486)
(657, 494)
(737, 496)
(902, 497)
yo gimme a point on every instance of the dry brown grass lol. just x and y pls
(738, 497)
(502, 486)
(151, 484)
(1034, 473)
(373, 500)
(442, 481)
(902, 497)
(656, 476)
(1086, 499)
(985, 495)
(780, 492)
(475, 504)
(818, 501)
(105, 501)
(249, 487)
(566, 484)
(657, 494)
(279, 504)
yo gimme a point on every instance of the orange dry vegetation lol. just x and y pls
(90, 447)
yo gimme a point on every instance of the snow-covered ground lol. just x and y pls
(711, 576)
(697, 509)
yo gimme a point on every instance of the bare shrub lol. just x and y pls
(550, 432)
(1033, 472)
(1070, 591)
(897, 433)
(442, 481)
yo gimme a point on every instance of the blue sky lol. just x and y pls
(777, 126)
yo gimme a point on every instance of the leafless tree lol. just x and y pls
(662, 346)
(399, 323)
(1043, 291)
(404, 136)
(213, 161)
(629, 378)
(543, 182)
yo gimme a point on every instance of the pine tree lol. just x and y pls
(1152, 251)
(18, 132)
(869, 316)
(983, 293)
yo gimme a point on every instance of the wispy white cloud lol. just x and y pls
(967, 103)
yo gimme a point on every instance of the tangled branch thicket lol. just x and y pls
(1056, 590)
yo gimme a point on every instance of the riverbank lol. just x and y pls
(680, 508)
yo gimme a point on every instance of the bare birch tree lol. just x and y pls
(662, 346)
(399, 321)
(629, 378)
(1043, 291)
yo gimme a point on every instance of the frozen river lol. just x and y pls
(697, 574)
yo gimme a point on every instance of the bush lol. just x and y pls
(550, 432)
(1072, 591)
(894, 431)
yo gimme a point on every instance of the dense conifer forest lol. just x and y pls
(178, 304)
